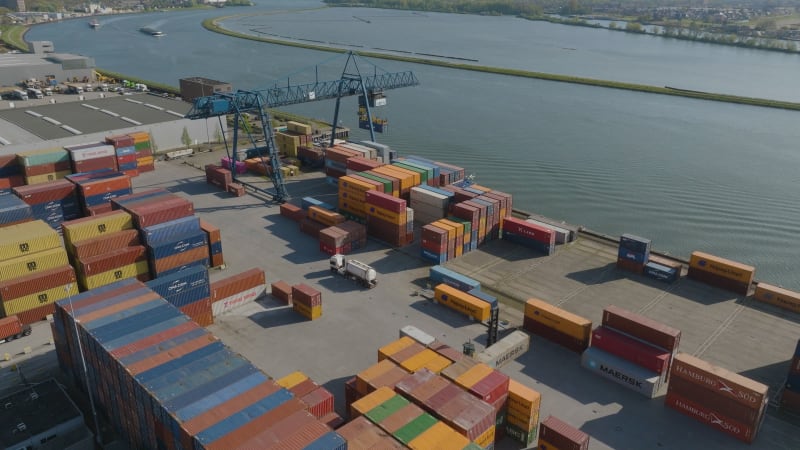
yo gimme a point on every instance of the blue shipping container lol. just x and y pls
(635, 243)
(81, 310)
(156, 372)
(177, 227)
(130, 320)
(661, 272)
(141, 196)
(216, 248)
(13, 209)
(640, 258)
(447, 194)
(207, 383)
(122, 151)
(162, 346)
(202, 261)
(96, 291)
(128, 166)
(424, 164)
(439, 274)
(201, 405)
(144, 332)
(237, 420)
(438, 258)
(187, 297)
(99, 199)
(328, 441)
(173, 245)
(491, 300)
(180, 281)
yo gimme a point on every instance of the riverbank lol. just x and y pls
(214, 26)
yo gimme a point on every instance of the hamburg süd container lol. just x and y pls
(622, 371)
(714, 419)
(716, 402)
(742, 389)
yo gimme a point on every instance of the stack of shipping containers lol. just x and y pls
(236, 290)
(214, 238)
(34, 271)
(92, 156)
(557, 325)
(318, 400)
(633, 253)
(361, 434)
(555, 434)
(522, 413)
(429, 203)
(343, 238)
(104, 249)
(353, 196)
(720, 272)
(790, 399)
(717, 397)
(125, 153)
(307, 301)
(14, 211)
(165, 382)
(53, 202)
(144, 151)
(632, 350)
(189, 291)
(388, 218)
(529, 234)
(41, 166)
(97, 189)
(11, 174)
(218, 176)
(336, 162)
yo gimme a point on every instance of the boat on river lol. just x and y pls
(94, 23)
(151, 31)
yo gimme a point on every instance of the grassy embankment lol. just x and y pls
(211, 24)
(14, 37)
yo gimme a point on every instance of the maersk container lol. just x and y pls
(505, 350)
(662, 273)
(440, 274)
(491, 300)
(622, 372)
(177, 227)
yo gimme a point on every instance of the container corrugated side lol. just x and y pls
(41, 298)
(723, 267)
(135, 270)
(31, 237)
(780, 297)
(622, 372)
(713, 419)
(558, 319)
(35, 262)
(238, 283)
(462, 302)
(563, 435)
(36, 282)
(742, 389)
(175, 244)
(163, 231)
(89, 227)
(641, 327)
(104, 244)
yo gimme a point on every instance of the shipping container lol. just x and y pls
(306, 295)
(790, 401)
(563, 435)
(715, 401)
(31, 263)
(714, 419)
(558, 319)
(282, 291)
(89, 227)
(361, 434)
(439, 274)
(722, 267)
(167, 230)
(621, 371)
(179, 261)
(309, 312)
(14, 210)
(777, 296)
(99, 245)
(505, 350)
(630, 266)
(743, 390)
(25, 239)
(641, 353)
(641, 327)
(462, 302)
(418, 335)
(662, 273)
(234, 301)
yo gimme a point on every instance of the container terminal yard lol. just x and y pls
(577, 280)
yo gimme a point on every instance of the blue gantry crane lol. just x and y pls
(352, 82)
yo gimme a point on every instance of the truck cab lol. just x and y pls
(35, 93)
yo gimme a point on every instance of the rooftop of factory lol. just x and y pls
(33, 411)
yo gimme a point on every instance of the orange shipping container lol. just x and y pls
(725, 268)
(406, 180)
(774, 295)
(394, 347)
(462, 302)
(416, 178)
(368, 402)
(558, 319)
(439, 437)
(325, 216)
(385, 214)
(475, 374)
(522, 399)
(350, 183)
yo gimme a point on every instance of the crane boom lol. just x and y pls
(258, 101)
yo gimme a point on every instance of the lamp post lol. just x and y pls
(97, 437)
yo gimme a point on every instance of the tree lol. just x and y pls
(185, 138)
(633, 27)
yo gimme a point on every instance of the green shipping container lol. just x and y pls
(429, 172)
(467, 225)
(387, 184)
(414, 428)
(45, 156)
(139, 146)
(386, 409)
(518, 434)
(423, 174)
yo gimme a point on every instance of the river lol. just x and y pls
(689, 174)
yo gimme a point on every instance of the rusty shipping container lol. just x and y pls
(235, 284)
(306, 295)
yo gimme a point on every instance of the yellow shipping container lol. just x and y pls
(310, 313)
(352, 206)
(482, 227)
(451, 229)
(439, 437)
(140, 136)
(298, 127)
(89, 227)
(45, 177)
(35, 262)
(112, 276)
(774, 295)
(372, 372)
(38, 299)
(26, 238)
(462, 302)
(350, 194)
(354, 184)
(522, 399)
(418, 361)
(558, 319)
(487, 438)
(394, 347)
(525, 423)
(370, 401)
(385, 214)
(725, 268)
(406, 180)
(324, 216)
(292, 380)
(459, 228)
(416, 178)
(472, 376)
(437, 364)
(145, 161)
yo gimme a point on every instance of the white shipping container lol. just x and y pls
(83, 154)
(369, 153)
(563, 235)
(417, 335)
(505, 350)
(623, 372)
(426, 211)
(421, 196)
(234, 301)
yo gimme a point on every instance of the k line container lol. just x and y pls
(622, 372)
(743, 390)
(642, 327)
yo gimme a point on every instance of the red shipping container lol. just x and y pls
(12, 181)
(105, 243)
(200, 312)
(42, 169)
(36, 282)
(102, 186)
(213, 232)
(312, 227)
(795, 368)
(89, 165)
(563, 435)
(469, 416)
(120, 257)
(140, 168)
(359, 164)
(319, 401)
(118, 141)
(330, 250)
(177, 260)
(446, 351)
(99, 297)
(217, 260)
(293, 212)
(564, 340)
(531, 230)
(742, 389)
(642, 327)
(434, 236)
(306, 295)
(648, 356)
(126, 159)
(36, 314)
(282, 291)
(98, 209)
(790, 401)
(153, 340)
(716, 402)
(161, 210)
(236, 284)
(133, 173)
(51, 191)
(386, 201)
(714, 419)
(492, 387)
(143, 153)
(340, 154)
(630, 266)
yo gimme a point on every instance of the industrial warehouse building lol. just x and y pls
(44, 64)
